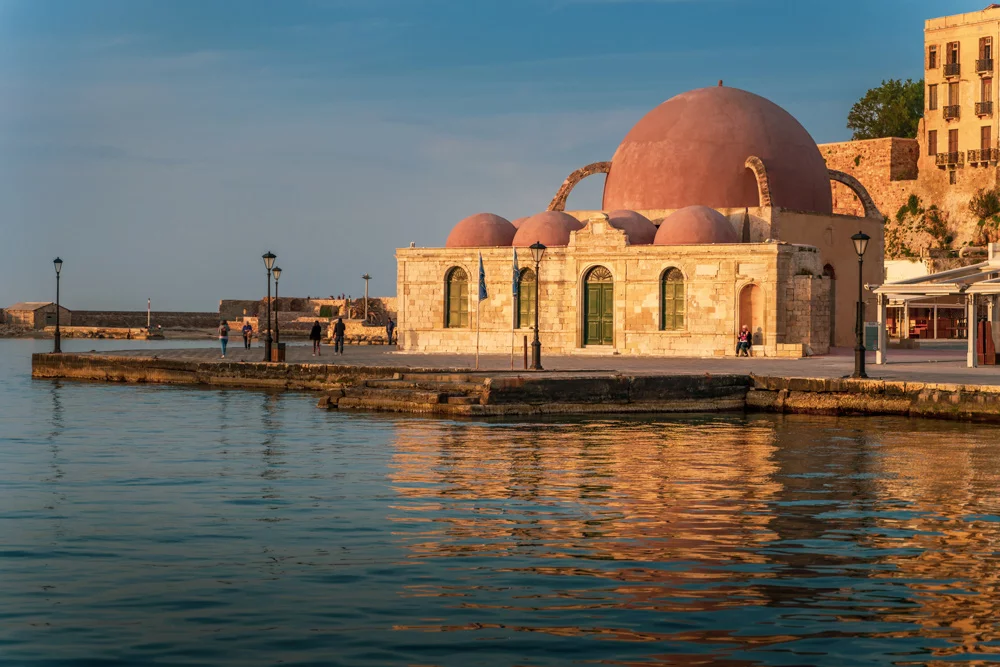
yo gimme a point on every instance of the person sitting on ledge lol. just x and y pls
(743, 342)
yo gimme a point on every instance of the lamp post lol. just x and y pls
(276, 272)
(366, 278)
(537, 250)
(860, 245)
(268, 258)
(57, 346)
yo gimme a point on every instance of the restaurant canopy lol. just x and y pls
(978, 284)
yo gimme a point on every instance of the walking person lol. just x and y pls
(247, 335)
(338, 335)
(314, 335)
(390, 326)
(223, 336)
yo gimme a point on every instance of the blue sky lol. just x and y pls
(160, 147)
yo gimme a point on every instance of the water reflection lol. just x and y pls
(806, 530)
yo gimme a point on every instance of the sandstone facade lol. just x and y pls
(791, 316)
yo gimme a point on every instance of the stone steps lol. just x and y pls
(443, 393)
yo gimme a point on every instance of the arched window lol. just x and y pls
(526, 299)
(456, 298)
(672, 300)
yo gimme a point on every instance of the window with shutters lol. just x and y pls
(932, 142)
(672, 300)
(932, 57)
(456, 298)
(526, 299)
(932, 100)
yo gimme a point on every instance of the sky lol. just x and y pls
(160, 147)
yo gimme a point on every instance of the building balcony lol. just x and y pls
(950, 159)
(983, 156)
(984, 65)
(953, 69)
(984, 108)
(952, 111)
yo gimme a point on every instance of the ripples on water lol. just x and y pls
(153, 525)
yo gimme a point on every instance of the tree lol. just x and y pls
(891, 110)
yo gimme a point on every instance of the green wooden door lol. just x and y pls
(599, 314)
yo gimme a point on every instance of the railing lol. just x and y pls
(984, 108)
(952, 111)
(984, 65)
(952, 69)
(984, 155)
(946, 159)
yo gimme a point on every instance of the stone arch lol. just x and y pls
(756, 165)
(559, 201)
(871, 211)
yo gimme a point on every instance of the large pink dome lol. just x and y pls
(695, 225)
(637, 227)
(692, 149)
(551, 228)
(482, 230)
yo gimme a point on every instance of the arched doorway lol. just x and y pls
(829, 271)
(752, 311)
(599, 307)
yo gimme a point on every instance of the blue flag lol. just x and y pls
(515, 286)
(482, 279)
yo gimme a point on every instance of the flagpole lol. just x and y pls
(513, 309)
(479, 304)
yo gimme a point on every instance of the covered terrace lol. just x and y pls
(978, 285)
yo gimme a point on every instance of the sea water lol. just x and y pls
(151, 525)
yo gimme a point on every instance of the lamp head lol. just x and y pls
(537, 250)
(276, 272)
(860, 243)
(58, 264)
(366, 277)
(269, 258)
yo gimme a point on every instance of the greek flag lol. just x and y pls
(482, 279)
(517, 274)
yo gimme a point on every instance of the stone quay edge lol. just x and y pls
(462, 392)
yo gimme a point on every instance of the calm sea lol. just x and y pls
(145, 525)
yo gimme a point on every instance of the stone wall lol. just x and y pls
(137, 319)
(714, 276)
(295, 307)
(894, 169)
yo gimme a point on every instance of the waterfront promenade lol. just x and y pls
(944, 364)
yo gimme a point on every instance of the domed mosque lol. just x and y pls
(716, 214)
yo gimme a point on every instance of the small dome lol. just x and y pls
(551, 228)
(695, 225)
(637, 227)
(517, 223)
(482, 230)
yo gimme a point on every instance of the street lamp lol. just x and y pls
(268, 258)
(860, 245)
(57, 347)
(366, 278)
(537, 250)
(276, 272)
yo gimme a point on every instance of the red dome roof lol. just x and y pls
(637, 227)
(692, 149)
(551, 228)
(517, 223)
(695, 225)
(482, 230)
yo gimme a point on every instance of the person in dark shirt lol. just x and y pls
(338, 335)
(314, 335)
(247, 335)
(390, 327)
(743, 342)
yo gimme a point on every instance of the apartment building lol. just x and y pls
(961, 115)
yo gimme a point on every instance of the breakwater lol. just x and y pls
(461, 392)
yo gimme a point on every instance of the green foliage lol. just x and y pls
(912, 217)
(857, 160)
(985, 203)
(326, 311)
(891, 110)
